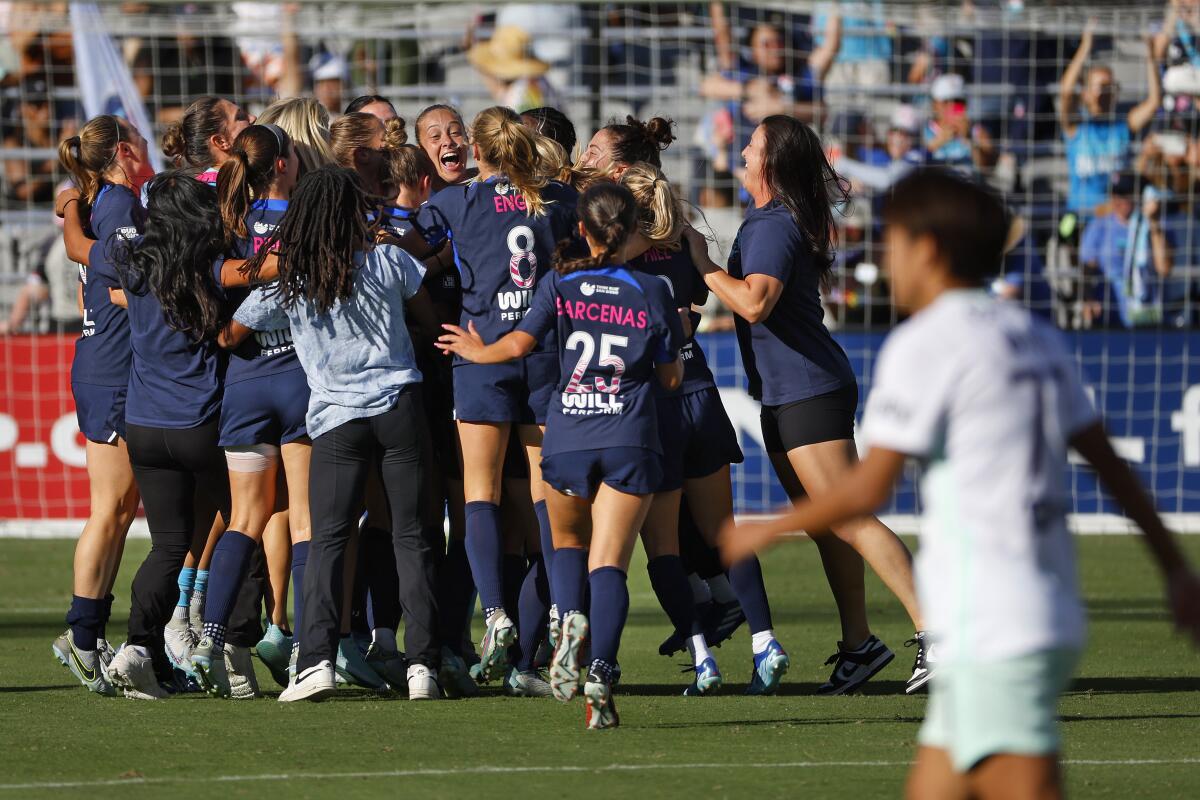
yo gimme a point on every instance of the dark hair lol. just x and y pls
(967, 221)
(316, 241)
(174, 260)
(553, 124)
(186, 142)
(362, 101)
(89, 154)
(438, 107)
(635, 140)
(798, 174)
(248, 174)
(609, 214)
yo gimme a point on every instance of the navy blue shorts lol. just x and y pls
(266, 410)
(632, 470)
(100, 411)
(518, 391)
(696, 435)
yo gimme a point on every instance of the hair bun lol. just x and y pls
(395, 132)
(173, 145)
(658, 130)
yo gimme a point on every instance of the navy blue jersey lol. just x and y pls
(102, 354)
(614, 327)
(263, 352)
(790, 355)
(500, 250)
(678, 271)
(175, 381)
(444, 287)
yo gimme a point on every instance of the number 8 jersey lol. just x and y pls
(614, 326)
(501, 251)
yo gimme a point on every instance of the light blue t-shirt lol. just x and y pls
(357, 356)
(1098, 150)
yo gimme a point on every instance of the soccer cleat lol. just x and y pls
(106, 651)
(389, 665)
(292, 660)
(422, 685)
(553, 630)
(601, 710)
(923, 664)
(721, 620)
(209, 670)
(353, 669)
(526, 684)
(853, 668)
(493, 651)
(86, 665)
(564, 668)
(455, 677)
(239, 664)
(132, 671)
(195, 618)
(707, 681)
(274, 650)
(179, 640)
(769, 668)
(315, 683)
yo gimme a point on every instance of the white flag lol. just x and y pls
(104, 81)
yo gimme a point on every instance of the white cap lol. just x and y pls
(1182, 79)
(948, 87)
(328, 67)
(904, 118)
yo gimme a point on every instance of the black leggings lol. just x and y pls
(341, 460)
(176, 470)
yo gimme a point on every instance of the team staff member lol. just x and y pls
(783, 250)
(619, 333)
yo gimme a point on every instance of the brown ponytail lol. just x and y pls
(608, 212)
(247, 175)
(88, 156)
(509, 148)
(186, 142)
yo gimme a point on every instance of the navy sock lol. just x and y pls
(747, 581)
(230, 562)
(299, 562)
(85, 617)
(610, 608)
(485, 552)
(533, 612)
(671, 587)
(107, 613)
(547, 539)
(513, 569)
(455, 594)
(570, 577)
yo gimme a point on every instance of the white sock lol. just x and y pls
(385, 638)
(760, 640)
(554, 612)
(698, 647)
(722, 592)
(700, 591)
(180, 614)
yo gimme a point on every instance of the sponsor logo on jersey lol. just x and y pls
(514, 304)
(263, 227)
(586, 404)
(589, 289)
(127, 233)
(273, 343)
(502, 187)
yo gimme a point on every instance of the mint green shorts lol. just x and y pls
(978, 710)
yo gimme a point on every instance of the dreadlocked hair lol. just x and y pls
(316, 241)
(248, 174)
(608, 212)
(661, 214)
(174, 260)
(509, 148)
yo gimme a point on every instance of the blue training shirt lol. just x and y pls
(175, 381)
(102, 352)
(615, 326)
(263, 352)
(1098, 150)
(500, 250)
(790, 355)
(677, 270)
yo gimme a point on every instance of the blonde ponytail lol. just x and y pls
(508, 147)
(661, 214)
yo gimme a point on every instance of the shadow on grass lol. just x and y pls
(753, 723)
(32, 689)
(786, 689)
(1136, 685)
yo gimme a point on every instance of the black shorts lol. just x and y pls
(825, 418)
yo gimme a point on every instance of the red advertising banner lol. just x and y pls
(42, 460)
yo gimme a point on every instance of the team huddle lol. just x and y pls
(362, 372)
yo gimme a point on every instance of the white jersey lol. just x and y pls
(987, 397)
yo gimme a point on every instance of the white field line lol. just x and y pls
(496, 770)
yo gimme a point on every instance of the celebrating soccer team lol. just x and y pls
(369, 374)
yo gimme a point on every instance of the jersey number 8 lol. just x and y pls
(520, 244)
(584, 341)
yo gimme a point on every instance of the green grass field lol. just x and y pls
(1131, 720)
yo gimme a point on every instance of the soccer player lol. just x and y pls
(988, 399)
(344, 301)
(442, 134)
(619, 332)
(202, 140)
(503, 228)
(108, 162)
(782, 253)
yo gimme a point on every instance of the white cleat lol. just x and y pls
(315, 684)
(180, 640)
(208, 664)
(564, 669)
(239, 664)
(526, 684)
(133, 671)
(493, 651)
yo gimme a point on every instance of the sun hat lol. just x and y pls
(506, 55)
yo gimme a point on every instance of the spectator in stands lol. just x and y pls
(1023, 275)
(1178, 41)
(866, 46)
(902, 151)
(31, 124)
(330, 74)
(950, 138)
(1097, 139)
(513, 75)
(1132, 250)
